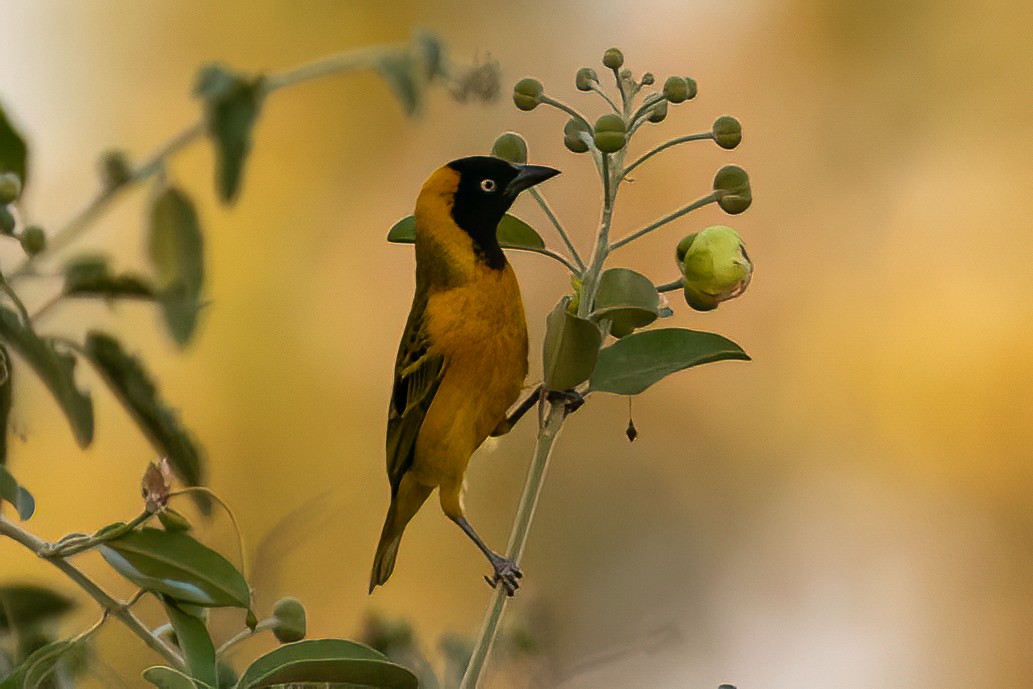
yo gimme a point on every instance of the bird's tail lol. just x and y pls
(404, 506)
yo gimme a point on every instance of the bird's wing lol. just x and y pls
(418, 371)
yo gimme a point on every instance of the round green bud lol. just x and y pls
(732, 188)
(585, 79)
(648, 79)
(658, 113)
(676, 89)
(613, 58)
(510, 146)
(527, 94)
(114, 169)
(610, 134)
(10, 188)
(7, 222)
(715, 267)
(727, 132)
(289, 614)
(573, 138)
(692, 87)
(33, 240)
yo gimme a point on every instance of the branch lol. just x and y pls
(537, 196)
(664, 220)
(670, 286)
(664, 146)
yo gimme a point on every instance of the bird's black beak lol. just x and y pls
(529, 176)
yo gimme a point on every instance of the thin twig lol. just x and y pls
(670, 287)
(616, 108)
(245, 634)
(560, 105)
(661, 147)
(664, 220)
(537, 196)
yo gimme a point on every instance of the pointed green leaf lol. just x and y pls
(57, 370)
(570, 349)
(168, 678)
(195, 642)
(628, 299)
(176, 249)
(403, 75)
(232, 102)
(13, 151)
(24, 605)
(632, 364)
(31, 672)
(90, 276)
(6, 378)
(135, 389)
(513, 233)
(175, 564)
(335, 661)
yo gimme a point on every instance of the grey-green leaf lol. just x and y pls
(13, 151)
(6, 378)
(175, 564)
(628, 299)
(23, 605)
(195, 642)
(570, 349)
(31, 672)
(335, 661)
(90, 276)
(135, 389)
(168, 678)
(57, 370)
(512, 233)
(635, 362)
(176, 249)
(404, 75)
(232, 102)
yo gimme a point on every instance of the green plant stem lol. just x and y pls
(74, 545)
(112, 606)
(6, 288)
(551, 254)
(245, 634)
(662, 147)
(537, 196)
(565, 108)
(670, 286)
(550, 421)
(616, 109)
(664, 220)
(590, 279)
(361, 58)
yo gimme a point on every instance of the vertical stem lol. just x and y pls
(602, 241)
(549, 423)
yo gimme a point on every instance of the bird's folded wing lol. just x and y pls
(418, 371)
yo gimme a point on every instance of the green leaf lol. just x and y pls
(176, 250)
(90, 276)
(628, 299)
(6, 378)
(13, 151)
(134, 388)
(10, 491)
(195, 642)
(25, 605)
(175, 564)
(403, 75)
(632, 364)
(327, 660)
(570, 349)
(168, 678)
(32, 671)
(513, 233)
(57, 370)
(232, 102)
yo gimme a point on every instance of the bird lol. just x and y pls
(462, 359)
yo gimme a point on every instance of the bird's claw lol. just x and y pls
(572, 399)
(506, 573)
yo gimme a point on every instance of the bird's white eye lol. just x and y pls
(488, 185)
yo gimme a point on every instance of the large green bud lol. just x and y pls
(732, 189)
(510, 147)
(613, 58)
(715, 267)
(289, 616)
(676, 90)
(573, 135)
(610, 133)
(727, 132)
(527, 93)
(10, 188)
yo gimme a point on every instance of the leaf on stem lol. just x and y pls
(334, 661)
(173, 563)
(176, 250)
(56, 369)
(195, 642)
(91, 276)
(169, 678)
(232, 102)
(512, 233)
(32, 671)
(137, 392)
(635, 362)
(628, 299)
(570, 349)
(23, 605)
(13, 151)
(6, 376)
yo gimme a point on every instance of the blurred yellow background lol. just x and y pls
(849, 510)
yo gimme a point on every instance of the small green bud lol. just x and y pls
(732, 188)
(692, 87)
(715, 267)
(572, 135)
(658, 113)
(527, 94)
(171, 520)
(7, 222)
(114, 169)
(676, 89)
(610, 135)
(10, 188)
(289, 614)
(510, 146)
(727, 132)
(648, 79)
(625, 75)
(613, 58)
(33, 240)
(586, 77)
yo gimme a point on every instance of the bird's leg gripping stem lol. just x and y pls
(572, 399)
(505, 570)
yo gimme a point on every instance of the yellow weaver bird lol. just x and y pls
(463, 356)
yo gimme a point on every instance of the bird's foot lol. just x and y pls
(572, 399)
(506, 573)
